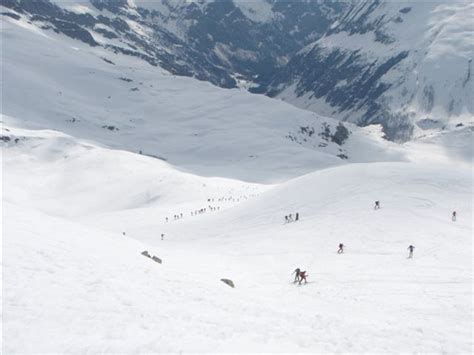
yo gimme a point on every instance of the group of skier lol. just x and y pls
(289, 218)
(200, 211)
(214, 208)
(301, 275)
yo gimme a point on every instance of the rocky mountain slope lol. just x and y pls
(224, 42)
(405, 65)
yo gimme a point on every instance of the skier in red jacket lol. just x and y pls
(303, 277)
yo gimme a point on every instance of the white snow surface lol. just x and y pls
(80, 204)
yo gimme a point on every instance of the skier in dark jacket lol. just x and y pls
(297, 217)
(411, 248)
(454, 216)
(297, 275)
(377, 205)
(341, 248)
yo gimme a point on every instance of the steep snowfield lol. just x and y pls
(80, 203)
(74, 283)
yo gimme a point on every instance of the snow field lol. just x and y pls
(74, 283)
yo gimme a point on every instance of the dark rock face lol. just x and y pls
(361, 80)
(349, 81)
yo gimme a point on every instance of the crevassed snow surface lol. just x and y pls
(80, 205)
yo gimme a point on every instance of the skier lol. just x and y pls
(162, 236)
(302, 276)
(341, 248)
(297, 275)
(290, 218)
(377, 205)
(166, 219)
(411, 248)
(454, 216)
(286, 219)
(297, 217)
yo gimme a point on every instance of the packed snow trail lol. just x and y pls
(74, 283)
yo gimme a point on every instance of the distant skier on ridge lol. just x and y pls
(377, 205)
(410, 248)
(341, 248)
(454, 216)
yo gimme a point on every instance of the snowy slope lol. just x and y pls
(74, 283)
(406, 65)
(80, 203)
(130, 105)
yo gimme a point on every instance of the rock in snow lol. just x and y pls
(228, 282)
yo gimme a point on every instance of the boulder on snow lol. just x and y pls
(228, 282)
(157, 259)
(145, 253)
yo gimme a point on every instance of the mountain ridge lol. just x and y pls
(371, 62)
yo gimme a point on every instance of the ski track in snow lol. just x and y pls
(73, 283)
